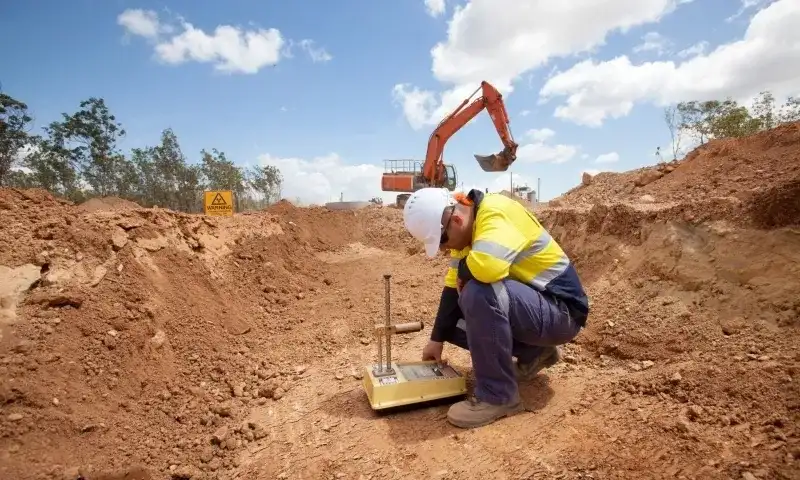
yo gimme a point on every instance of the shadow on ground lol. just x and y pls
(422, 422)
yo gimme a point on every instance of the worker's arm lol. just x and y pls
(496, 244)
(447, 316)
(449, 311)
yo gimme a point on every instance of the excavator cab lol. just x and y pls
(450, 179)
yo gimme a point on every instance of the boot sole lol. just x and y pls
(516, 409)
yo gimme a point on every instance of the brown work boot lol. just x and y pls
(549, 357)
(473, 413)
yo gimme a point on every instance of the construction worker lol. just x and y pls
(510, 291)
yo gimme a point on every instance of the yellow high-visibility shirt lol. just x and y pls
(509, 242)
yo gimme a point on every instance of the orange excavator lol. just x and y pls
(410, 176)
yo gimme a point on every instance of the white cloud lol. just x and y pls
(697, 49)
(143, 23)
(423, 108)
(653, 42)
(317, 54)
(499, 40)
(541, 135)
(746, 5)
(539, 150)
(525, 113)
(435, 7)
(230, 49)
(610, 157)
(764, 59)
(324, 179)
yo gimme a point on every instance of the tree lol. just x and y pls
(14, 125)
(149, 191)
(222, 174)
(77, 157)
(267, 181)
(729, 119)
(764, 110)
(88, 139)
(691, 119)
(672, 118)
(790, 111)
(716, 119)
(179, 185)
(726, 118)
(50, 168)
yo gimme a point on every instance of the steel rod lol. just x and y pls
(379, 338)
(387, 333)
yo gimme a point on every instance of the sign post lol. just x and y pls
(218, 203)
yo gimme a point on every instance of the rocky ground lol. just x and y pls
(147, 344)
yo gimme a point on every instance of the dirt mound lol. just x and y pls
(144, 336)
(700, 324)
(748, 169)
(107, 203)
(282, 206)
(693, 278)
(143, 343)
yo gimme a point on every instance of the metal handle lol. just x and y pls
(408, 327)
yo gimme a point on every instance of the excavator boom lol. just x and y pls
(409, 176)
(492, 101)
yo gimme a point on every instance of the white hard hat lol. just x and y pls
(423, 216)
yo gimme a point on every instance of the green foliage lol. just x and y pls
(14, 124)
(78, 158)
(790, 112)
(722, 119)
(267, 181)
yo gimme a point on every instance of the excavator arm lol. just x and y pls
(433, 169)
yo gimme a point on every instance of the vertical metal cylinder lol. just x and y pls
(379, 339)
(387, 277)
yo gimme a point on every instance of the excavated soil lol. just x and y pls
(142, 343)
(752, 181)
(107, 203)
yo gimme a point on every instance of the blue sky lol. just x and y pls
(329, 112)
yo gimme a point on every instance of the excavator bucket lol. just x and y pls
(497, 162)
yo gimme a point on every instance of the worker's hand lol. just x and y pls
(459, 285)
(432, 351)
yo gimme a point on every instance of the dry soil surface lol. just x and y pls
(147, 344)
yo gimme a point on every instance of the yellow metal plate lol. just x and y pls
(218, 203)
(412, 382)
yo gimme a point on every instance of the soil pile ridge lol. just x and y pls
(142, 343)
(693, 270)
(108, 203)
(144, 336)
(758, 176)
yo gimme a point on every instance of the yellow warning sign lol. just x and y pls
(218, 203)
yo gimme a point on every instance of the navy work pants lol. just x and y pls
(503, 320)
